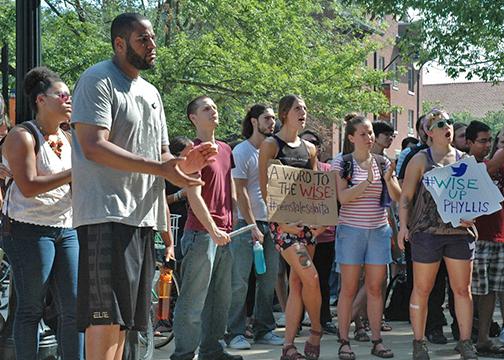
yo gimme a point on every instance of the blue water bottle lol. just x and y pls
(259, 262)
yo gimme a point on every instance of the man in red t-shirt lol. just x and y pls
(202, 307)
(488, 266)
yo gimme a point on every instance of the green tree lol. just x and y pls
(238, 52)
(466, 37)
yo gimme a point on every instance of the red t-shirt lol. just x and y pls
(217, 191)
(491, 227)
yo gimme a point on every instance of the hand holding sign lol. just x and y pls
(463, 190)
(301, 195)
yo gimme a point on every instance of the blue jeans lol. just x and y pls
(202, 307)
(43, 258)
(243, 258)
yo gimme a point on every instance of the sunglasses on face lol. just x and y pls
(62, 96)
(441, 124)
(313, 141)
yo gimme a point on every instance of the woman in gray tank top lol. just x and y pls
(432, 240)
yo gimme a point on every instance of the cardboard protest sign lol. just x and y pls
(463, 190)
(296, 194)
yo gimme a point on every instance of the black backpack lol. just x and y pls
(381, 161)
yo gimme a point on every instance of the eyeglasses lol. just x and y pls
(313, 141)
(441, 124)
(62, 96)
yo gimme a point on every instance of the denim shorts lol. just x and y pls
(355, 246)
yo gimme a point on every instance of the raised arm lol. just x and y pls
(19, 149)
(95, 144)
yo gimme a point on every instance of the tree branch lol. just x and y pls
(214, 87)
(60, 15)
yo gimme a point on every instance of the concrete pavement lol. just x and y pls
(399, 340)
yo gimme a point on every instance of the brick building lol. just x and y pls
(476, 98)
(404, 91)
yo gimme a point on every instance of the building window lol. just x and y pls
(411, 79)
(394, 69)
(381, 63)
(411, 121)
(393, 119)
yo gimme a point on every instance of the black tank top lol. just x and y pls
(293, 156)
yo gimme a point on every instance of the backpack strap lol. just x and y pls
(347, 168)
(30, 127)
(381, 161)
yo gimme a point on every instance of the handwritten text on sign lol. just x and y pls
(301, 195)
(463, 190)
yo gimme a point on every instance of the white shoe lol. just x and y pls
(270, 339)
(239, 343)
(281, 321)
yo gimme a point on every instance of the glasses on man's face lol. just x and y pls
(313, 141)
(441, 124)
(483, 141)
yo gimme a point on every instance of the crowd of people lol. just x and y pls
(82, 211)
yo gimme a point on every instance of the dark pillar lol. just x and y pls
(5, 76)
(27, 50)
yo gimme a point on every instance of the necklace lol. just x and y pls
(54, 140)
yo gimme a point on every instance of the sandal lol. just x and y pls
(385, 326)
(383, 353)
(490, 350)
(345, 355)
(312, 352)
(295, 355)
(361, 335)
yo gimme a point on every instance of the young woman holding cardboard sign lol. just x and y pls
(432, 240)
(295, 241)
(363, 234)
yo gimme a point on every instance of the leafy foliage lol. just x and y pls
(466, 37)
(238, 52)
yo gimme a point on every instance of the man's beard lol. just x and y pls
(266, 133)
(136, 60)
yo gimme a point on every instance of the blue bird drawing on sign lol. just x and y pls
(459, 171)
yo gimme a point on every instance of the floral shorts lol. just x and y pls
(283, 240)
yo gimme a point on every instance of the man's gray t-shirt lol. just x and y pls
(132, 110)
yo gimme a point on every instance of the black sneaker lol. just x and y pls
(228, 356)
(436, 336)
(466, 349)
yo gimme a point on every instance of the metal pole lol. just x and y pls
(28, 54)
(5, 76)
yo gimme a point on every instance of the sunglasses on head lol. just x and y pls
(62, 96)
(441, 124)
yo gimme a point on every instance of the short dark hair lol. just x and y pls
(122, 25)
(312, 133)
(254, 112)
(408, 140)
(380, 127)
(193, 106)
(178, 144)
(37, 81)
(474, 128)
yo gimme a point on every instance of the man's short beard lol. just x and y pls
(136, 60)
(264, 133)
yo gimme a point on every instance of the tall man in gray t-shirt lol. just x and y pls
(120, 160)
